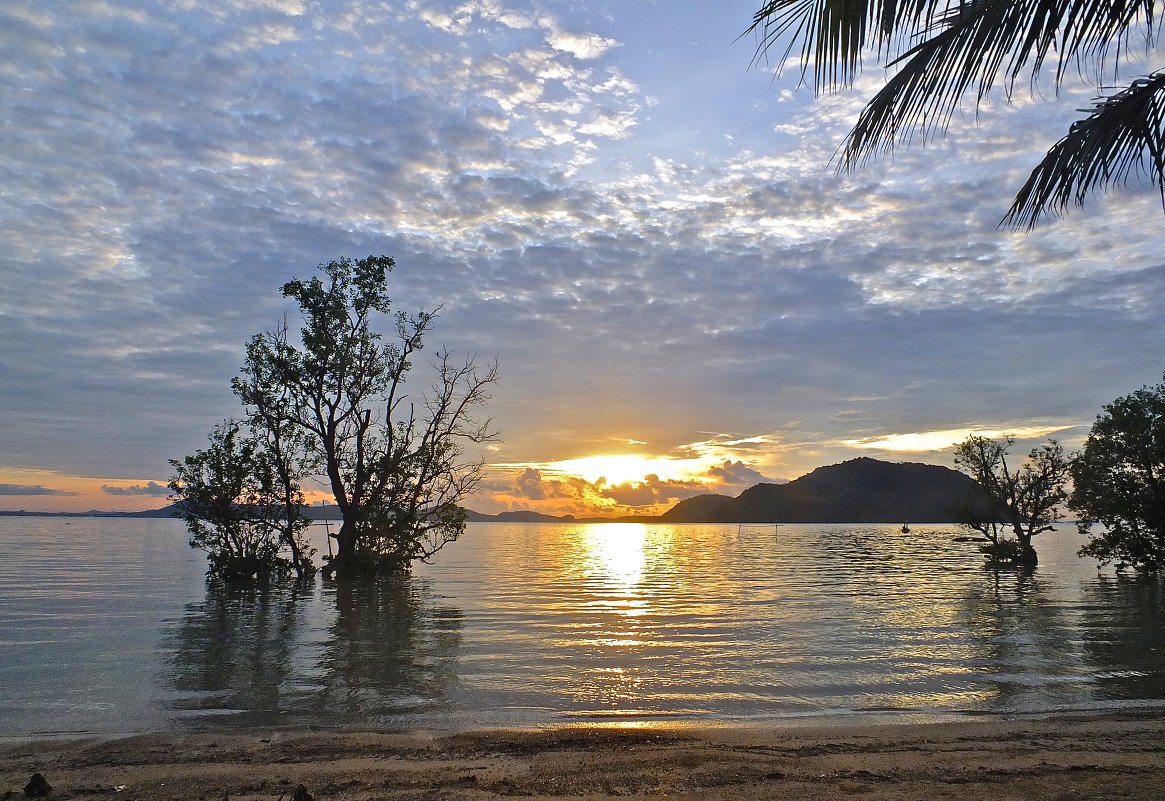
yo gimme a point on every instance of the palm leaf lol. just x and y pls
(946, 50)
(1123, 136)
(973, 47)
(831, 34)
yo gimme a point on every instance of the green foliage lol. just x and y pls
(234, 503)
(1119, 482)
(1027, 498)
(944, 51)
(395, 466)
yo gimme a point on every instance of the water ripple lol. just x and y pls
(107, 625)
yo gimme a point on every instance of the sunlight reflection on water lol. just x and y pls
(107, 625)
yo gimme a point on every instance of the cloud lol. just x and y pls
(583, 46)
(153, 489)
(738, 474)
(530, 487)
(923, 441)
(240, 173)
(27, 489)
(652, 492)
(653, 245)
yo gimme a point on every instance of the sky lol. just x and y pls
(643, 227)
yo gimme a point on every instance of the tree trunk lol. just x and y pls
(1027, 557)
(297, 560)
(344, 563)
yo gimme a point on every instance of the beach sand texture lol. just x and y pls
(1114, 756)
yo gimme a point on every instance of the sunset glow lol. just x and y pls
(624, 468)
(597, 485)
(630, 483)
(51, 491)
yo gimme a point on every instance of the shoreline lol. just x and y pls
(1112, 754)
(440, 726)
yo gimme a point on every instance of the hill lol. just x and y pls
(858, 491)
(517, 517)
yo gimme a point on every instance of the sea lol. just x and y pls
(108, 626)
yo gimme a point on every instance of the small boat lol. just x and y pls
(905, 528)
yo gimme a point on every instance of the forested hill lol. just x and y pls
(858, 491)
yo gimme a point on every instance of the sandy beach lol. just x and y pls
(1094, 757)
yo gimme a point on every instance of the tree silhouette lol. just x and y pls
(395, 464)
(1119, 481)
(1028, 496)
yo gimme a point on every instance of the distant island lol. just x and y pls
(862, 490)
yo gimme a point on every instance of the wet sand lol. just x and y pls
(1111, 756)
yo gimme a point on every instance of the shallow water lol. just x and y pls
(107, 625)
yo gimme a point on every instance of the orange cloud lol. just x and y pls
(550, 489)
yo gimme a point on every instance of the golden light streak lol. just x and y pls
(931, 441)
(615, 554)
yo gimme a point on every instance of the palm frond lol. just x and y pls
(977, 44)
(831, 35)
(946, 51)
(1090, 29)
(1123, 136)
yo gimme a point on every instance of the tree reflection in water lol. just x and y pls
(1024, 641)
(233, 651)
(1124, 635)
(343, 654)
(1044, 646)
(392, 650)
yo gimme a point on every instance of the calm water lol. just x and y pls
(108, 626)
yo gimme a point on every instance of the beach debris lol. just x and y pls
(37, 787)
(301, 794)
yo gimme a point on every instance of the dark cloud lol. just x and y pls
(27, 489)
(529, 485)
(738, 474)
(652, 491)
(153, 489)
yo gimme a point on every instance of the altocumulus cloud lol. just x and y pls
(256, 157)
(555, 185)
